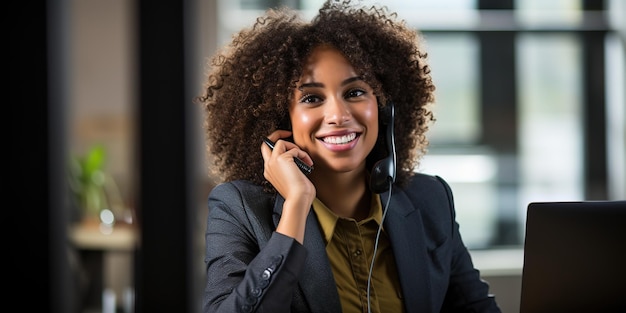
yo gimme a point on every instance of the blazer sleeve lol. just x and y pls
(249, 267)
(467, 292)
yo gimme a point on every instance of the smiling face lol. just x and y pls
(334, 114)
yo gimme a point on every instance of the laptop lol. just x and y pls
(574, 257)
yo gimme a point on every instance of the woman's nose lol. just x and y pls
(337, 112)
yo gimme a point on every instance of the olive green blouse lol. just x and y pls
(350, 245)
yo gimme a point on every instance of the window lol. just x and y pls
(530, 103)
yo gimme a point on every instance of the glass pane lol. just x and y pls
(551, 130)
(455, 71)
(101, 142)
(403, 5)
(470, 170)
(436, 14)
(471, 174)
(549, 12)
(616, 11)
(616, 116)
(457, 5)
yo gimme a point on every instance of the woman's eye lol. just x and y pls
(310, 99)
(355, 93)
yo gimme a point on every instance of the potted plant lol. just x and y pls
(94, 192)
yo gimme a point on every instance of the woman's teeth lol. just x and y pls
(337, 140)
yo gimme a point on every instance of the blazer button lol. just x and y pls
(256, 292)
(250, 300)
(267, 273)
(246, 308)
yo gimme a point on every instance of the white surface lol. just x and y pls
(498, 262)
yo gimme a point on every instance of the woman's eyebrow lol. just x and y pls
(351, 79)
(310, 85)
(320, 85)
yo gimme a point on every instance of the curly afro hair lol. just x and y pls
(252, 80)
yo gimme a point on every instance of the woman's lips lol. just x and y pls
(337, 140)
(340, 143)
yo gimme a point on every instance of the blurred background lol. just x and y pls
(530, 107)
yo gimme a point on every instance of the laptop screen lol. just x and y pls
(574, 257)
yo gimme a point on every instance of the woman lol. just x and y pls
(340, 94)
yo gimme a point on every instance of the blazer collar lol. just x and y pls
(404, 223)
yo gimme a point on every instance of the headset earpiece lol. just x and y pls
(384, 171)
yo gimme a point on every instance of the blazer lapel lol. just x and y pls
(319, 284)
(402, 223)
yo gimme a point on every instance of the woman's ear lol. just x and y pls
(285, 123)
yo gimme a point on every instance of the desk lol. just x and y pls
(96, 249)
(88, 236)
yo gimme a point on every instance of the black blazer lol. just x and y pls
(251, 268)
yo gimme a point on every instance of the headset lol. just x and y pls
(383, 174)
(382, 177)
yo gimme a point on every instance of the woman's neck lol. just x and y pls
(345, 194)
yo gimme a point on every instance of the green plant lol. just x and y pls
(86, 180)
(93, 190)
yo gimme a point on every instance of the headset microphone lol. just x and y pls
(382, 177)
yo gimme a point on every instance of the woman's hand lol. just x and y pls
(281, 171)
